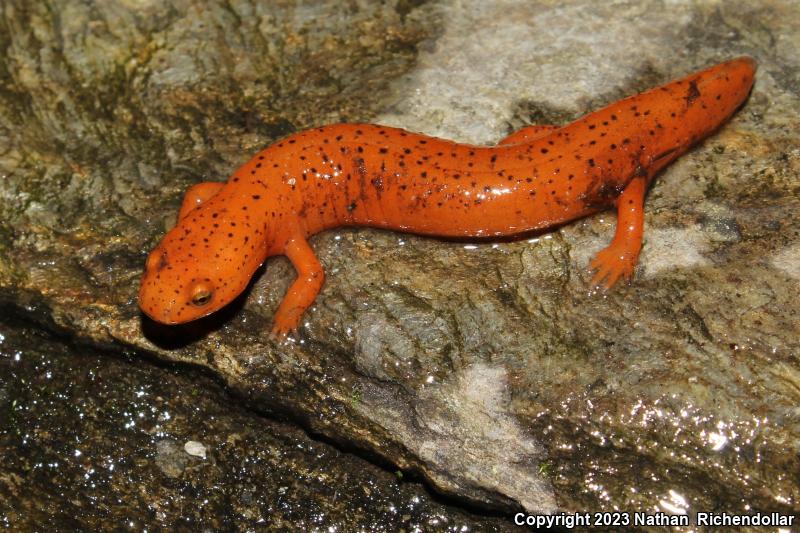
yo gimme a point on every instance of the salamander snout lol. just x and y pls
(181, 284)
(167, 296)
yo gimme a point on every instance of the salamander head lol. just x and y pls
(200, 266)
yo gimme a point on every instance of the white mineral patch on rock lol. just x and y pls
(194, 448)
(788, 261)
(672, 248)
(494, 54)
(473, 436)
(664, 248)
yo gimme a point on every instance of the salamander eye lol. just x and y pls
(201, 295)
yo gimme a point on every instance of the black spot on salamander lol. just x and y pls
(361, 168)
(601, 193)
(378, 184)
(561, 200)
(640, 172)
(692, 94)
(162, 262)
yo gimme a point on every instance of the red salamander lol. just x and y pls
(370, 175)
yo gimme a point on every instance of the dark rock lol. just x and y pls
(95, 442)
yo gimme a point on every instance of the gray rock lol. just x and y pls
(490, 369)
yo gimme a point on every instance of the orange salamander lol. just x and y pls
(370, 175)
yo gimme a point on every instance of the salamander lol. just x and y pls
(371, 175)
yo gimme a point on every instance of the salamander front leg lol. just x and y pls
(198, 195)
(619, 258)
(302, 292)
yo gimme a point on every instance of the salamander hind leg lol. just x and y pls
(198, 195)
(303, 291)
(619, 258)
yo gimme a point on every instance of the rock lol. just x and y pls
(170, 459)
(91, 440)
(490, 369)
(194, 448)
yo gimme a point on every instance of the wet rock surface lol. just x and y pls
(490, 369)
(95, 442)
